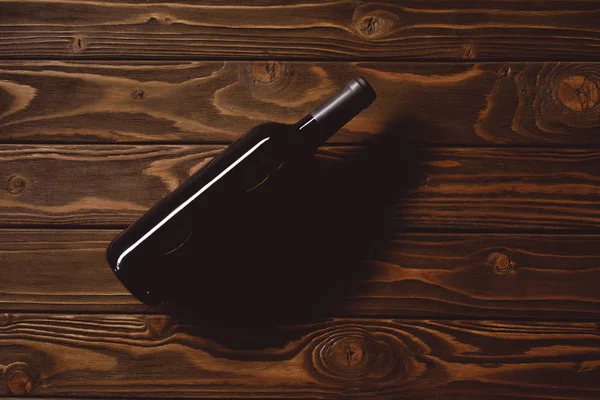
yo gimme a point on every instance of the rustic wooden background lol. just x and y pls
(485, 283)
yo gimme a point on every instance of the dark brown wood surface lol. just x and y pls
(135, 355)
(419, 275)
(460, 213)
(446, 30)
(486, 189)
(440, 103)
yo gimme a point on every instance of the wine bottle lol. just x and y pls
(220, 201)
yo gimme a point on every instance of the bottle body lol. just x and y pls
(220, 204)
(204, 200)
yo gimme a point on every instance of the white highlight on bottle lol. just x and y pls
(309, 121)
(329, 105)
(188, 201)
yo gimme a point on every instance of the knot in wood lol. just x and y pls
(501, 263)
(266, 76)
(267, 72)
(347, 353)
(567, 97)
(77, 44)
(15, 185)
(374, 24)
(504, 71)
(19, 383)
(154, 20)
(578, 93)
(158, 324)
(469, 52)
(138, 94)
(351, 354)
(17, 379)
(5, 319)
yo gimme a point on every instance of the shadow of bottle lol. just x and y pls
(296, 255)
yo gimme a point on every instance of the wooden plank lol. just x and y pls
(493, 189)
(409, 29)
(140, 356)
(422, 275)
(441, 103)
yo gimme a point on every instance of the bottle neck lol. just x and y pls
(322, 122)
(308, 135)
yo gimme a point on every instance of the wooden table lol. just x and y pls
(467, 269)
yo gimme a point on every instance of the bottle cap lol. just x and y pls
(345, 105)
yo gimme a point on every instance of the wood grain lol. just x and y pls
(431, 275)
(410, 29)
(469, 190)
(493, 189)
(140, 356)
(439, 103)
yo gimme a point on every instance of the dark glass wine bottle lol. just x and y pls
(218, 203)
